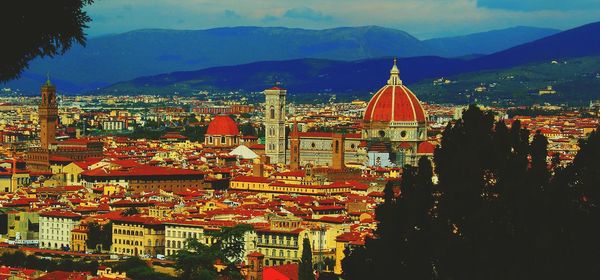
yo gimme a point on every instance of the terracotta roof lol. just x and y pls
(141, 170)
(281, 272)
(60, 214)
(252, 179)
(299, 173)
(394, 103)
(425, 148)
(222, 125)
(138, 219)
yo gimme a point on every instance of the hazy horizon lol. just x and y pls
(423, 19)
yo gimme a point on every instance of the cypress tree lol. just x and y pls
(305, 269)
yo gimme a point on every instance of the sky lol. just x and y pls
(421, 18)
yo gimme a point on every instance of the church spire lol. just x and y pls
(48, 83)
(394, 75)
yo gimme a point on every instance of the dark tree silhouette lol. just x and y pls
(305, 268)
(499, 211)
(401, 248)
(130, 211)
(37, 29)
(99, 236)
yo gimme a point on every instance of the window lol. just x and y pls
(272, 112)
(403, 133)
(222, 139)
(381, 133)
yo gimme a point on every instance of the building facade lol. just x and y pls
(56, 227)
(275, 140)
(138, 236)
(38, 158)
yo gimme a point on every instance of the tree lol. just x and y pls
(197, 260)
(305, 268)
(37, 29)
(499, 211)
(136, 268)
(130, 211)
(99, 236)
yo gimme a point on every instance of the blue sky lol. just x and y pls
(421, 18)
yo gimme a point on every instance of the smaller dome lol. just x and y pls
(425, 148)
(222, 125)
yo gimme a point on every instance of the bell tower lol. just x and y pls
(275, 124)
(48, 114)
(255, 266)
(337, 160)
(295, 148)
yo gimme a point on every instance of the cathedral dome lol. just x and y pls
(394, 102)
(222, 125)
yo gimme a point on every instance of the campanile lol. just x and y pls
(48, 114)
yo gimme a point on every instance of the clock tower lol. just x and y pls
(48, 114)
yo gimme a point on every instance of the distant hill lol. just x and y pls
(302, 76)
(487, 42)
(112, 58)
(358, 78)
(577, 42)
(575, 81)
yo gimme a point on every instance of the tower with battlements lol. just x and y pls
(48, 115)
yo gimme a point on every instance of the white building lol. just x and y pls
(55, 228)
(113, 125)
(177, 233)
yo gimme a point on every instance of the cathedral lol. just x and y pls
(394, 132)
(40, 158)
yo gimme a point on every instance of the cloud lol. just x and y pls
(422, 18)
(306, 13)
(269, 19)
(539, 5)
(231, 14)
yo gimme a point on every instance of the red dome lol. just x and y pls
(394, 102)
(222, 125)
(425, 148)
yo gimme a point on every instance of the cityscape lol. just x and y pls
(427, 161)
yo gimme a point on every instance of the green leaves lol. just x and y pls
(197, 260)
(38, 29)
(305, 269)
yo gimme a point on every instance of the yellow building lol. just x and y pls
(23, 225)
(19, 179)
(281, 241)
(343, 241)
(78, 238)
(105, 272)
(272, 188)
(138, 236)
(72, 173)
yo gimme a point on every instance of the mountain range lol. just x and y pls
(112, 58)
(353, 79)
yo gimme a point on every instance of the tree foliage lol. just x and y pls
(499, 210)
(19, 259)
(305, 268)
(99, 235)
(130, 211)
(37, 29)
(136, 268)
(197, 260)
